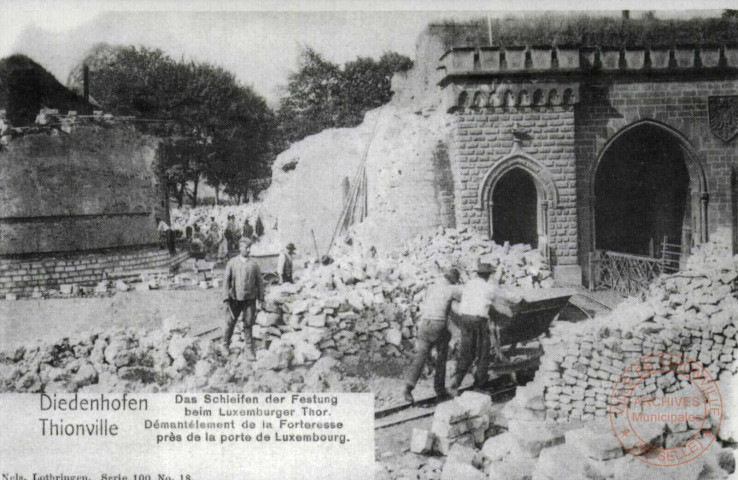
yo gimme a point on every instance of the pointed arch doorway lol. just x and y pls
(515, 209)
(517, 194)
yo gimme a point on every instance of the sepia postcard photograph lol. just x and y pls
(381, 240)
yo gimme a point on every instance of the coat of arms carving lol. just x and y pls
(723, 113)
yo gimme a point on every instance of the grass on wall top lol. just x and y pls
(587, 31)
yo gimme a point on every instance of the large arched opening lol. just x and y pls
(649, 190)
(515, 209)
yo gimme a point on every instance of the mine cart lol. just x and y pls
(268, 265)
(533, 316)
(530, 319)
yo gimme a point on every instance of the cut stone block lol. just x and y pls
(464, 454)
(442, 445)
(497, 448)
(393, 337)
(598, 442)
(450, 412)
(475, 403)
(561, 462)
(449, 430)
(628, 468)
(532, 437)
(459, 471)
(512, 468)
(421, 441)
(267, 319)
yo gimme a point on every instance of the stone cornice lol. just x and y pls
(574, 62)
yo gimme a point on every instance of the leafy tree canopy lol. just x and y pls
(214, 128)
(321, 94)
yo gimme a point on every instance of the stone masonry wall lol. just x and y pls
(93, 188)
(21, 276)
(481, 137)
(680, 105)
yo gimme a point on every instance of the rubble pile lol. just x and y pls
(692, 313)
(519, 265)
(518, 442)
(169, 359)
(361, 303)
(545, 450)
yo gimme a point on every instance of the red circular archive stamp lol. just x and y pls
(665, 409)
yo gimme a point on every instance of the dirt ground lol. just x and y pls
(25, 321)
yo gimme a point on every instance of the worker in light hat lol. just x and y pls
(433, 331)
(243, 288)
(477, 298)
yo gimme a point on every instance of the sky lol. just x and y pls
(258, 41)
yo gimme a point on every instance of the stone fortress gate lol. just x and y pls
(613, 162)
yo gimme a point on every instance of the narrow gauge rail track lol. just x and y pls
(498, 388)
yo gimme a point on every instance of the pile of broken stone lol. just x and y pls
(359, 307)
(363, 304)
(167, 359)
(514, 441)
(558, 426)
(693, 313)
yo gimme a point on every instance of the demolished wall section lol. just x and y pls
(93, 188)
(404, 194)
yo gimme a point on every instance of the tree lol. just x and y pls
(201, 112)
(321, 95)
(311, 95)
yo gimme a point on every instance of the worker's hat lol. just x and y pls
(484, 268)
(452, 275)
(246, 241)
(291, 247)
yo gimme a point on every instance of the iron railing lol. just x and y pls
(624, 273)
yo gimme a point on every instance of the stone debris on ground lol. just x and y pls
(693, 313)
(167, 359)
(364, 304)
(557, 426)
(562, 416)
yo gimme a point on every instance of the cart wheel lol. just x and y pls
(270, 278)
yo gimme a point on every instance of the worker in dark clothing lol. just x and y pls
(230, 233)
(284, 264)
(248, 230)
(433, 332)
(243, 287)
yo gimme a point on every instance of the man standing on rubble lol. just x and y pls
(433, 331)
(477, 299)
(243, 287)
(284, 264)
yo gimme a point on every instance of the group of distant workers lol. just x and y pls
(214, 242)
(477, 301)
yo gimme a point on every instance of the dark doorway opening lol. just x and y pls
(515, 209)
(642, 193)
